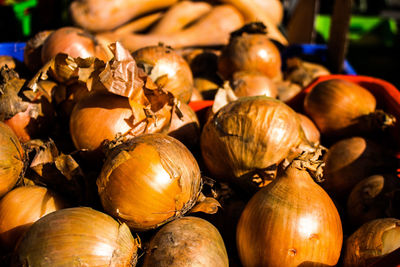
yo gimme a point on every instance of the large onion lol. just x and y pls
(148, 181)
(11, 159)
(290, 222)
(187, 241)
(372, 241)
(249, 135)
(167, 69)
(23, 206)
(77, 237)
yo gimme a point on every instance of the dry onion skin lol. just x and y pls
(23, 206)
(290, 222)
(372, 241)
(252, 83)
(11, 159)
(167, 69)
(310, 130)
(250, 49)
(77, 237)
(187, 241)
(247, 136)
(340, 108)
(148, 181)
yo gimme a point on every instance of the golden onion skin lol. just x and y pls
(11, 159)
(334, 105)
(187, 241)
(77, 237)
(290, 222)
(148, 181)
(249, 134)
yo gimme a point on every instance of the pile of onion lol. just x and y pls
(187, 241)
(77, 237)
(23, 206)
(12, 159)
(290, 222)
(149, 180)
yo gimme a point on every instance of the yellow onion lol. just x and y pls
(23, 206)
(187, 241)
(250, 49)
(350, 160)
(252, 83)
(11, 159)
(373, 197)
(311, 131)
(185, 128)
(167, 69)
(372, 241)
(148, 181)
(290, 222)
(248, 136)
(77, 237)
(340, 107)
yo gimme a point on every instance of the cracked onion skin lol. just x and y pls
(149, 180)
(187, 241)
(77, 237)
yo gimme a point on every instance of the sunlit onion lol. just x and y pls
(311, 131)
(251, 83)
(187, 128)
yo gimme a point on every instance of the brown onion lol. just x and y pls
(11, 159)
(290, 222)
(73, 41)
(167, 69)
(311, 131)
(148, 181)
(187, 241)
(186, 128)
(287, 90)
(252, 83)
(23, 206)
(251, 52)
(249, 135)
(350, 160)
(77, 237)
(371, 242)
(373, 197)
(339, 107)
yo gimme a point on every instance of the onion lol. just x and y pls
(148, 181)
(250, 49)
(371, 242)
(248, 136)
(350, 160)
(252, 83)
(311, 131)
(187, 128)
(72, 41)
(167, 69)
(33, 50)
(23, 206)
(303, 72)
(287, 90)
(290, 222)
(340, 107)
(77, 237)
(373, 197)
(73, 94)
(187, 241)
(11, 159)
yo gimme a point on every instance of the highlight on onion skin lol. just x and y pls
(167, 69)
(372, 198)
(252, 83)
(12, 157)
(149, 180)
(187, 241)
(372, 241)
(311, 131)
(77, 236)
(290, 222)
(23, 206)
(247, 136)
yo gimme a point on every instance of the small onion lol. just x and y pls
(252, 83)
(187, 128)
(290, 222)
(167, 69)
(249, 135)
(311, 131)
(77, 237)
(148, 181)
(187, 241)
(11, 159)
(371, 242)
(251, 52)
(23, 206)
